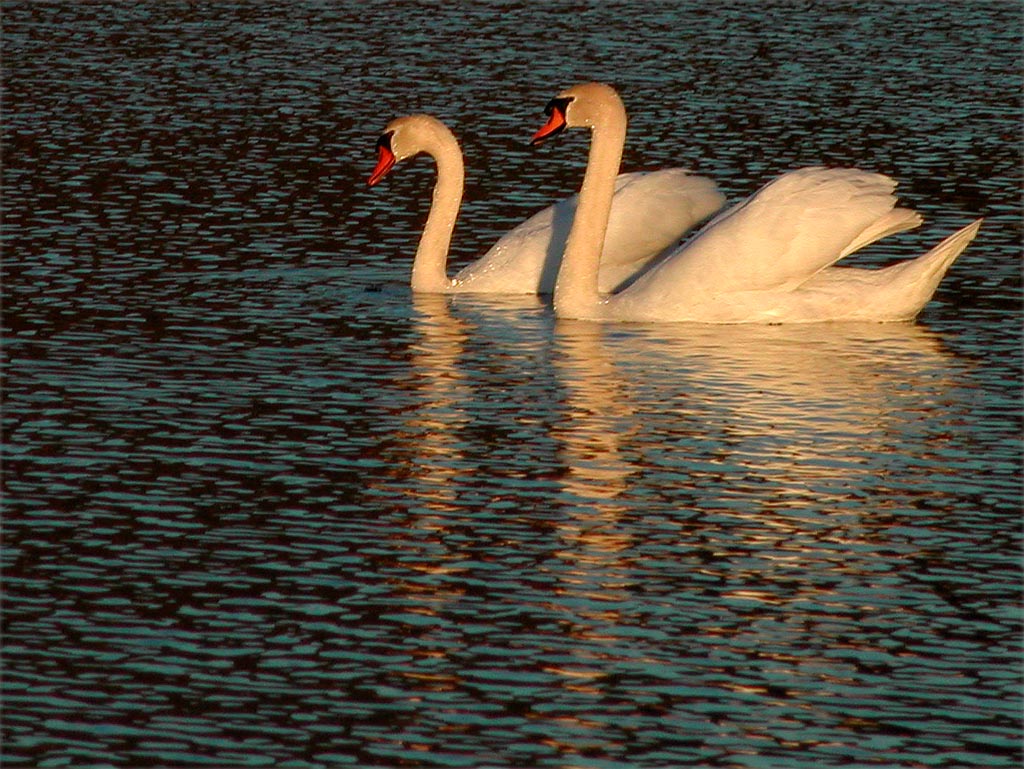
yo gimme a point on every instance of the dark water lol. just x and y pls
(263, 507)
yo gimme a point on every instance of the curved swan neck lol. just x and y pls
(576, 293)
(430, 265)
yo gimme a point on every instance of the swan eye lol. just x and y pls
(384, 142)
(561, 104)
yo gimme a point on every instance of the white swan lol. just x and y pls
(765, 260)
(650, 213)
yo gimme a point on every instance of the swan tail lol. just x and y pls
(896, 220)
(938, 260)
(915, 281)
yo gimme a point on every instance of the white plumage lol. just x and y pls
(768, 259)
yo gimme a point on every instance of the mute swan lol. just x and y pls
(650, 213)
(766, 260)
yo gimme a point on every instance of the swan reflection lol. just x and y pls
(441, 396)
(769, 442)
(785, 403)
(789, 415)
(746, 460)
(433, 424)
(597, 418)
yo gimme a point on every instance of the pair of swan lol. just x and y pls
(768, 259)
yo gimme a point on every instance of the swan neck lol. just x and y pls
(429, 268)
(576, 289)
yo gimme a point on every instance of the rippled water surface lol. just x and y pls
(262, 506)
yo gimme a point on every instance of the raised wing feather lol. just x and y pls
(777, 239)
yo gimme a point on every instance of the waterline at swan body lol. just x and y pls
(768, 259)
(650, 213)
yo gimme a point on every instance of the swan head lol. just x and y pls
(405, 137)
(586, 105)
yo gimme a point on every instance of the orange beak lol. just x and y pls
(555, 125)
(385, 159)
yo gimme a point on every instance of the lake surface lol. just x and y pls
(262, 506)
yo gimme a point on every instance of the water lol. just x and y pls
(264, 507)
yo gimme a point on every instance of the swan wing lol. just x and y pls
(779, 237)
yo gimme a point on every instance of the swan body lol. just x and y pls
(650, 212)
(768, 259)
